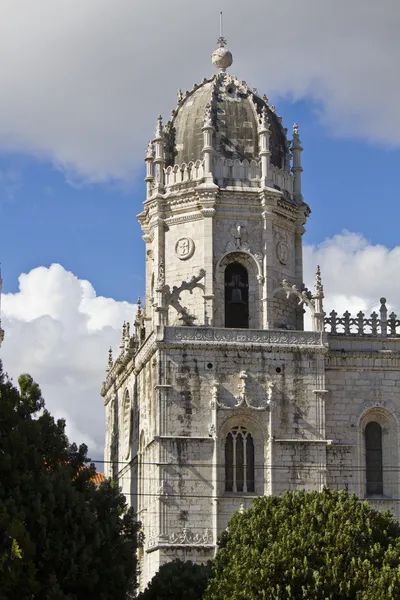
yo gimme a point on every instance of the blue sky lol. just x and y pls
(92, 229)
(81, 86)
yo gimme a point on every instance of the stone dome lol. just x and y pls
(235, 111)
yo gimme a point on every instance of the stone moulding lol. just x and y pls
(270, 337)
(193, 539)
(183, 539)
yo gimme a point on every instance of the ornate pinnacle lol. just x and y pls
(122, 344)
(265, 98)
(110, 361)
(139, 310)
(159, 128)
(180, 95)
(318, 287)
(264, 119)
(150, 151)
(296, 132)
(207, 116)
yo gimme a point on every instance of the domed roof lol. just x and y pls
(235, 110)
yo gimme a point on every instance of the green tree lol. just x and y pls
(178, 580)
(325, 545)
(61, 536)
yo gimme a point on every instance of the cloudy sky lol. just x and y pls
(81, 84)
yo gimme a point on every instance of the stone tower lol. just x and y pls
(219, 395)
(195, 411)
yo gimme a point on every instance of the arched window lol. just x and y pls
(373, 458)
(236, 296)
(239, 461)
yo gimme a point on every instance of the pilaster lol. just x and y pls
(268, 265)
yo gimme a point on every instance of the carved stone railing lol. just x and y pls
(382, 325)
(179, 174)
(228, 169)
(280, 178)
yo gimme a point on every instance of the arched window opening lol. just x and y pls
(373, 458)
(236, 296)
(239, 461)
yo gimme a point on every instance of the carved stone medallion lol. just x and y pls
(282, 252)
(184, 248)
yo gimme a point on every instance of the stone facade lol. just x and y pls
(219, 395)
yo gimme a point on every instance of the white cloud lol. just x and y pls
(59, 331)
(82, 82)
(355, 273)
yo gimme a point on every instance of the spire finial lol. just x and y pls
(110, 361)
(150, 150)
(159, 128)
(221, 57)
(318, 287)
(221, 40)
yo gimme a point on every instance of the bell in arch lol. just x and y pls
(236, 296)
(237, 285)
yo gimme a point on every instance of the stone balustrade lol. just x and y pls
(229, 172)
(382, 325)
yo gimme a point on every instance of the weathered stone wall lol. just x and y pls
(363, 382)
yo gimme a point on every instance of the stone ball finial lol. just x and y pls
(222, 58)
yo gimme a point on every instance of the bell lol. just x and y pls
(236, 296)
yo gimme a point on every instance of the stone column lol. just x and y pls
(297, 168)
(159, 160)
(298, 267)
(207, 193)
(268, 266)
(149, 160)
(208, 130)
(215, 468)
(318, 316)
(263, 140)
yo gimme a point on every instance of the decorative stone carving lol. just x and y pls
(243, 399)
(163, 491)
(184, 248)
(173, 298)
(189, 538)
(282, 252)
(385, 326)
(152, 538)
(278, 337)
(240, 237)
(161, 276)
(212, 430)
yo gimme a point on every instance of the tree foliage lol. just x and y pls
(178, 580)
(314, 545)
(61, 536)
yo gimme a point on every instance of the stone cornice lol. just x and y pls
(145, 352)
(285, 340)
(183, 218)
(116, 378)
